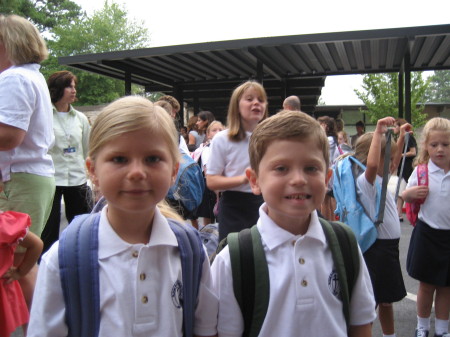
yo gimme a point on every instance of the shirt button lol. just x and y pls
(293, 243)
(304, 283)
(301, 260)
(135, 253)
(144, 299)
(142, 276)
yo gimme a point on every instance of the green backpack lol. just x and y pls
(248, 259)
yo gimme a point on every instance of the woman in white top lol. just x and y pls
(26, 130)
(69, 154)
(225, 170)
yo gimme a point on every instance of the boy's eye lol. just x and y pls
(311, 169)
(280, 169)
(153, 159)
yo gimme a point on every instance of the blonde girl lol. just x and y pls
(225, 171)
(133, 159)
(428, 259)
(382, 258)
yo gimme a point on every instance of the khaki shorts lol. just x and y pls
(31, 194)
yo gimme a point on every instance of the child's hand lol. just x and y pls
(405, 128)
(11, 275)
(383, 124)
(417, 192)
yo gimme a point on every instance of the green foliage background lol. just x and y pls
(69, 31)
(380, 95)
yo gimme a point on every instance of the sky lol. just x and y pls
(174, 22)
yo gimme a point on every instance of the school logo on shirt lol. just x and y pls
(177, 294)
(334, 285)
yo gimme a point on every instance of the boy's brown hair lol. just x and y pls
(286, 125)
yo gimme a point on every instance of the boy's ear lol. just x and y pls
(91, 170)
(253, 180)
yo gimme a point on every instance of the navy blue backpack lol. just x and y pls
(79, 273)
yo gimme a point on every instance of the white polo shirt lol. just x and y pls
(25, 104)
(139, 288)
(229, 159)
(435, 211)
(390, 228)
(303, 299)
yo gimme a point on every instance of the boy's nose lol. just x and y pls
(298, 178)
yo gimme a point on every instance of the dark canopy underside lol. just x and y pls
(204, 74)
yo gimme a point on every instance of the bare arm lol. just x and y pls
(373, 158)
(217, 182)
(360, 330)
(34, 247)
(10, 137)
(191, 139)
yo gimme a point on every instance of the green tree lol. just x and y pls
(439, 89)
(45, 14)
(108, 29)
(380, 95)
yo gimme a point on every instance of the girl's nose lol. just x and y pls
(137, 171)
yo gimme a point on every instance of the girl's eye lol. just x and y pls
(119, 160)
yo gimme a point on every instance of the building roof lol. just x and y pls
(204, 74)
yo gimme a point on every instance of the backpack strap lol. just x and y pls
(192, 257)
(344, 249)
(400, 174)
(387, 161)
(79, 273)
(252, 293)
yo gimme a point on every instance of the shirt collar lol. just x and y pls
(274, 236)
(71, 109)
(111, 244)
(432, 167)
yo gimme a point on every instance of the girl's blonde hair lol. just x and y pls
(363, 145)
(236, 131)
(434, 124)
(344, 135)
(214, 123)
(130, 114)
(23, 42)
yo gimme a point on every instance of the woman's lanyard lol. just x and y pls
(67, 131)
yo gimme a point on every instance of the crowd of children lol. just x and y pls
(273, 174)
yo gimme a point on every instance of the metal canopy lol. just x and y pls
(204, 74)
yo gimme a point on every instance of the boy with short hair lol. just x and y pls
(289, 167)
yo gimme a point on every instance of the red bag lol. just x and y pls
(413, 208)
